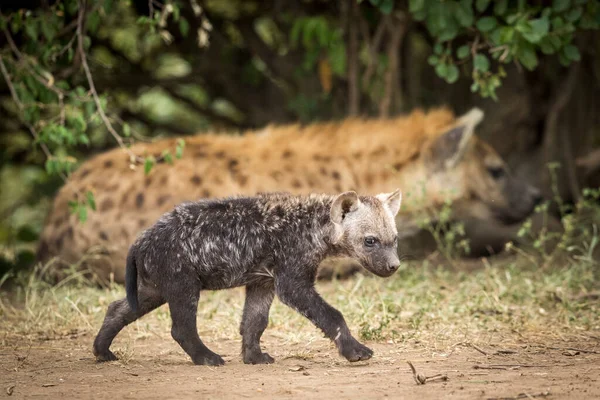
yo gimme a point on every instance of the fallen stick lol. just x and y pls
(521, 396)
(421, 379)
(506, 366)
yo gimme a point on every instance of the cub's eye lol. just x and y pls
(370, 241)
(496, 172)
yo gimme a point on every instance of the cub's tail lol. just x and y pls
(131, 281)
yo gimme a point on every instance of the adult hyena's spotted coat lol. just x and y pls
(431, 156)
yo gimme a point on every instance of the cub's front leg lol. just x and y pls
(299, 293)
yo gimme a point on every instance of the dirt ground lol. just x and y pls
(156, 368)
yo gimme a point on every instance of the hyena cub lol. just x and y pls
(272, 244)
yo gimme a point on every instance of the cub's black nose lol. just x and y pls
(393, 267)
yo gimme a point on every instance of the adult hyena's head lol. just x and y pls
(365, 229)
(470, 172)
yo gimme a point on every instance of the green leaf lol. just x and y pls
(481, 5)
(126, 129)
(83, 139)
(179, 148)
(452, 74)
(486, 24)
(90, 200)
(93, 21)
(537, 29)
(82, 213)
(441, 70)
(526, 56)
(574, 14)
(166, 155)
(463, 52)
(31, 29)
(184, 27)
(464, 14)
(500, 7)
(481, 62)
(295, 32)
(148, 164)
(416, 5)
(50, 166)
(449, 32)
(48, 30)
(438, 48)
(572, 53)
(540, 26)
(560, 5)
(176, 12)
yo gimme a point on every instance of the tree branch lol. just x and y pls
(154, 125)
(201, 110)
(93, 91)
(554, 137)
(390, 79)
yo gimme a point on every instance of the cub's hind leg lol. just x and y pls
(119, 315)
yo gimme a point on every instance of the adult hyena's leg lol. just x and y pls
(254, 322)
(119, 315)
(184, 306)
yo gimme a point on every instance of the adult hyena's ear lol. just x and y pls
(449, 148)
(391, 200)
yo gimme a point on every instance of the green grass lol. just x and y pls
(432, 306)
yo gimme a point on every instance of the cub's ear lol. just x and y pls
(449, 148)
(391, 200)
(343, 204)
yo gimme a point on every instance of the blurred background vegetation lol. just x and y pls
(79, 77)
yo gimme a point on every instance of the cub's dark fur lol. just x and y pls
(272, 244)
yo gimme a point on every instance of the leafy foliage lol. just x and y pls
(475, 34)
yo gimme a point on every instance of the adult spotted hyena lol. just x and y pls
(433, 156)
(272, 244)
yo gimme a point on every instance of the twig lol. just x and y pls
(506, 366)
(521, 396)
(373, 47)
(88, 74)
(570, 349)
(421, 379)
(485, 353)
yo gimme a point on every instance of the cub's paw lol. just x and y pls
(258, 358)
(208, 359)
(357, 352)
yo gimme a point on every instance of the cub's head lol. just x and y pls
(365, 229)
(473, 174)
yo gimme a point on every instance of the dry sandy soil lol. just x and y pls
(156, 368)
